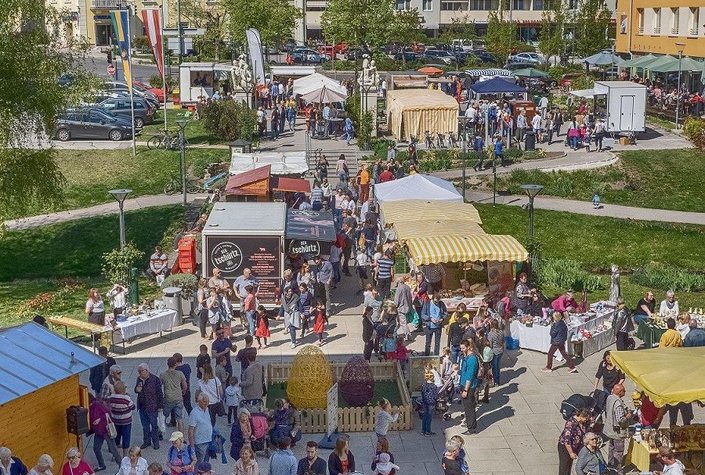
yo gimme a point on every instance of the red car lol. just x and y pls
(157, 91)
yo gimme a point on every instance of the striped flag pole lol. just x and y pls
(131, 84)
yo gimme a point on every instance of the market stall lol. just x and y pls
(411, 112)
(308, 233)
(650, 330)
(393, 212)
(667, 376)
(588, 332)
(416, 186)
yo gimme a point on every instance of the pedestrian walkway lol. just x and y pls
(586, 207)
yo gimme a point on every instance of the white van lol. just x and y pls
(468, 45)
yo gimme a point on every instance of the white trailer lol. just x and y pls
(201, 80)
(622, 104)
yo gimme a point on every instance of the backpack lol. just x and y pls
(480, 369)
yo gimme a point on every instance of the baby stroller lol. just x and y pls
(260, 432)
(595, 403)
(445, 397)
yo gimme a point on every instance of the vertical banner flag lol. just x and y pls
(153, 29)
(254, 43)
(122, 37)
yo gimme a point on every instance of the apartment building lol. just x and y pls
(526, 14)
(650, 26)
(90, 19)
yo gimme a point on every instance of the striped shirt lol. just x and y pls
(316, 195)
(384, 268)
(121, 407)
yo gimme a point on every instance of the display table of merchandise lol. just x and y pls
(533, 337)
(688, 442)
(592, 330)
(156, 321)
(470, 302)
(649, 332)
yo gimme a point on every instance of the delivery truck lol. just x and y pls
(243, 235)
(622, 104)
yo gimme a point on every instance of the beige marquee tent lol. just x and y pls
(414, 111)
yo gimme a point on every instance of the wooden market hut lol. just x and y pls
(39, 381)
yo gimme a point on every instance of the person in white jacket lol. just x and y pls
(133, 464)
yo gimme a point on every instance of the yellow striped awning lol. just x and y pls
(433, 227)
(465, 248)
(421, 210)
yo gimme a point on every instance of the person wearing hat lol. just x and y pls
(181, 457)
(671, 465)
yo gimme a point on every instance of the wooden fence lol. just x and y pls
(352, 419)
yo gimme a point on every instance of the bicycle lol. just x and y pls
(173, 186)
(165, 140)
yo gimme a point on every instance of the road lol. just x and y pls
(97, 63)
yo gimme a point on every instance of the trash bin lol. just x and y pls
(529, 141)
(172, 300)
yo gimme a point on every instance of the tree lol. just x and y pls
(592, 19)
(459, 28)
(211, 16)
(551, 38)
(369, 24)
(500, 34)
(274, 19)
(34, 57)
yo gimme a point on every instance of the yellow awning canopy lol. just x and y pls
(433, 227)
(422, 210)
(465, 248)
(667, 375)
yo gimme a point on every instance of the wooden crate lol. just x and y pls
(352, 419)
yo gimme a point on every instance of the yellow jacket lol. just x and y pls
(670, 338)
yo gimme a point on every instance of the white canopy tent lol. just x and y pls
(315, 83)
(584, 93)
(417, 187)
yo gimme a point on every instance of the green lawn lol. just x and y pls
(195, 132)
(74, 248)
(664, 179)
(90, 174)
(598, 242)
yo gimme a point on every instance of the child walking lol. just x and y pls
(233, 396)
(429, 396)
(319, 324)
(384, 418)
(262, 327)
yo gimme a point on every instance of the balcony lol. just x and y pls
(693, 32)
(674, 31)
(108, 4)
(657, 30)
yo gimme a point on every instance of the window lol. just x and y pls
(538, 5)
(452, 6)
(657, 21)
(675, 20)
(427, 5)
(521, 4)
(484, 5)
(694, 21)
(640, 20)
(403, 4)
(95, 118)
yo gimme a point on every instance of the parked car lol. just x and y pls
(353, 54)
(91, 123)
(485, 57)
(406, 55)
(121, 108)
(514, 66)
(567, 79)
(530, 58)
(157, 91)
(307, 55)
(438, 56)
(138, 91)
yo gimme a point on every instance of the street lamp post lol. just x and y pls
(680, 47)
(120, 196)
(531, 191)
(182, 147)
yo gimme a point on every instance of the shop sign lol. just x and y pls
(301, 246)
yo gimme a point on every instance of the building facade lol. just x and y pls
(650, 26)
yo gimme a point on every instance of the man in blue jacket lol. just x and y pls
(469, 367)
(433, 315)
(11, 465)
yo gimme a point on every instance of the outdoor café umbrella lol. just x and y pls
(603, 59)
(323, 95)
(430, 70)
(530, 73)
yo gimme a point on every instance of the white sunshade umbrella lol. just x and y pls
(316, 82)
(323, 95)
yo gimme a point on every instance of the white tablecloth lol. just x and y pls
(536, 338)
(158, 321)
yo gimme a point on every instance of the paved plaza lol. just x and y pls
(518, 429)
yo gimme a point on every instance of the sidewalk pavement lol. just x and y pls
(586, 207)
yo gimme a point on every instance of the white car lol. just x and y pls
(527, 58)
